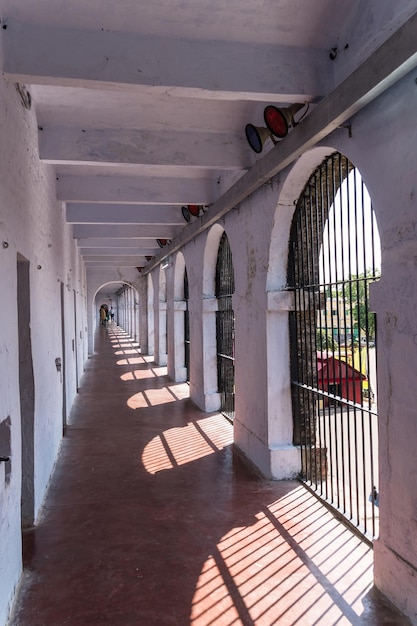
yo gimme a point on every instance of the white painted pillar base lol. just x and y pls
(285, 462)
(180, 374)
(211, 402)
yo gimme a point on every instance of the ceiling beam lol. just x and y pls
(126, 261)
(388, 64)
(92, 146)
(80, 213)
(108, 242)
(114, 252)
(136, 190)
(88, 232)
(43, 54)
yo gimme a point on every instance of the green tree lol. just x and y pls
(364, 319)
(324, 341)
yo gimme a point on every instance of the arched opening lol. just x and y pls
(225, 331)
(176, 313)
(151, 316)
(162, 320)
(334, 255)
(116, 303)
(186, 326)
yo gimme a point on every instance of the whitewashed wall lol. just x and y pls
(383, 146)
(32, 223)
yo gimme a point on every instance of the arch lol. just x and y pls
(178, 323)
(292, 185)
(225, 327)
(100, 298)
(332, 342)
(208, 317)
(127, 310)
(94, 290)
(162, 290)
(151, 315)
(210, 259)
(285, 458)
(161, 330)
(179, 269)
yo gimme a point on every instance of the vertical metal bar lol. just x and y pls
(308, 324)
(315, 246)
(225, 327)
(343, 364)
(186, 326)
(302, 338)
(336, 439)
(351, 229)
(326, 279)
(361, 480)
(332, 284)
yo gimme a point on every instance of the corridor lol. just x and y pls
(152, 520)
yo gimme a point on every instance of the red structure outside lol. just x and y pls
(339, 378)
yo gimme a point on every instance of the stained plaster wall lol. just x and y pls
(32, 223)
(382, 146)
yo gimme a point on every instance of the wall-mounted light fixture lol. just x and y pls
(163, 242)
(191, 210)
(165, 264)
(256, 137)
(278, 122)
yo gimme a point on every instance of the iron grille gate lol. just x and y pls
(332, 260)
(225, 286)
(186, 327)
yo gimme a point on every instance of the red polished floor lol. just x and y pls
(151, 520)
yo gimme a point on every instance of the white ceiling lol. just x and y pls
(141, 105)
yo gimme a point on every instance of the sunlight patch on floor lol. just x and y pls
(182, 445)
(295, 564)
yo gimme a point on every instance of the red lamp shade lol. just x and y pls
(163, 242)
(276, 121)
(194, 209)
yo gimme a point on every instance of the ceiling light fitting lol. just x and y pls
(278, 122)
(163, 242)
(256, 137)
(191, 210)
